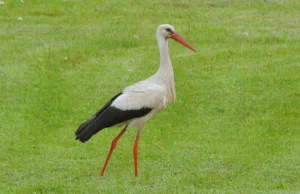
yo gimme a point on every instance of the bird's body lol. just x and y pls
(137, 103)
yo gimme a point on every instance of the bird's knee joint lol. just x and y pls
(113, 144)
(135, 150)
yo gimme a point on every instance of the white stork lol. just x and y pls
(137, 103)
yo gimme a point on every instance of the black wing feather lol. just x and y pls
(107, 116)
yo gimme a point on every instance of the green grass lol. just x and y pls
(235, 127)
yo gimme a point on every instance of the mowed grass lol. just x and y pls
(233, 129)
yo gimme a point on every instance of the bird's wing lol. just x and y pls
(134, 102)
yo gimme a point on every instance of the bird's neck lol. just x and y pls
(164, 52)
(165, 71)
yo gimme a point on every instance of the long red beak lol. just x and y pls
(179, 39)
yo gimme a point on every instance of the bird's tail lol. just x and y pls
(86, 130)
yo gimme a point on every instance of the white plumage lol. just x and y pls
(137, 103)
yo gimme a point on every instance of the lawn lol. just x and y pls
(235, 127)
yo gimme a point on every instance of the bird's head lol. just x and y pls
(168, 31)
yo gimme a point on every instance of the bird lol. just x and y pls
(139, 102)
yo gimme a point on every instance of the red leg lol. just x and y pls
(113, 145)
(135, 153)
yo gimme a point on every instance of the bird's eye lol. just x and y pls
(169, 30)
